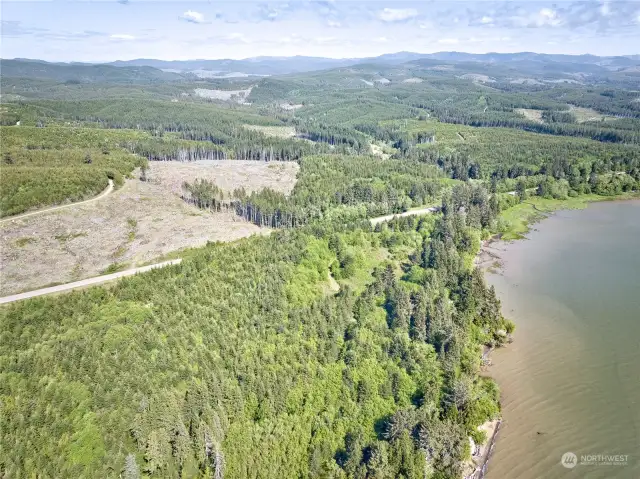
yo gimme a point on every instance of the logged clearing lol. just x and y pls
(564, 80)
(526, 81)
(379, 151)
(476, 77)
(135, 224)
(238, 96)
(227, 174)
(442, 68)
(276, 131)
(581, 114)
(530, 114)
(588, 114)
(291, 107)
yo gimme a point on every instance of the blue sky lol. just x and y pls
(126, 29)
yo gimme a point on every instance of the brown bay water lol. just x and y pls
(570, 381)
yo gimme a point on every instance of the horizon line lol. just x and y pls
(325, 57)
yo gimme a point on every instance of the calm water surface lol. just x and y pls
(571, 380)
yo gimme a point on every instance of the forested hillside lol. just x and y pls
(46, 166)
(192, 369)
(329, 348)
(84, 73)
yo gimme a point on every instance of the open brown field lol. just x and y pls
(133, 225)
(238, 96)
(581, 114)
(276, 131)
(588, 114)
(227, 174)
(531, 114)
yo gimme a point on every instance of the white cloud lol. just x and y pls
(236, 37)
(547, 16)
(397, 14)
(324, 29)
(122, 36)
(192, 17)
(290, 39)
(325, 40)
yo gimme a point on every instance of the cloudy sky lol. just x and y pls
(126, 29)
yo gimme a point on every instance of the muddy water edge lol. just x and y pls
(570, 381)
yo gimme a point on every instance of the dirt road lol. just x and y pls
(421, 211)
(108, 190)
(85, 282)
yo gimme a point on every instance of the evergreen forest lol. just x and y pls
(333, 347)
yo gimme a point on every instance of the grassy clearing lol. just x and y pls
(514, 222)
(275, 131)
(588, 114)
(373, 256)
(530, 114)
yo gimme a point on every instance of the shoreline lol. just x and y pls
(481, 453)
(490, 446)
(490, 262)
(486, 257)
(521, 216)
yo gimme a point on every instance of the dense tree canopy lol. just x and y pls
(246, 360)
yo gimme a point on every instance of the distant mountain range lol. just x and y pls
(297, 64)
(83, 72)
(150, 71)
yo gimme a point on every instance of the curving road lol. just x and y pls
(107, 190)
(85, 282)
